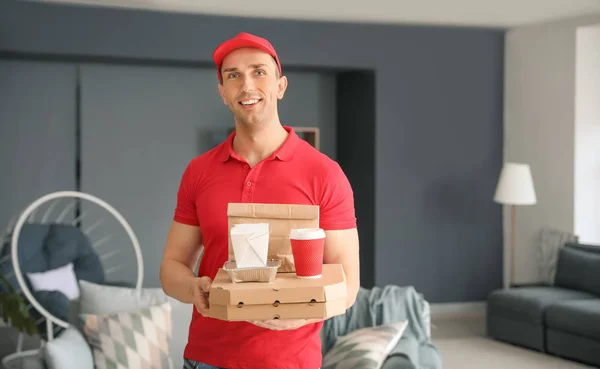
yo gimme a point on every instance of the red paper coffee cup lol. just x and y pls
(308, 245)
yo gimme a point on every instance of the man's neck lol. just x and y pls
(257, 144)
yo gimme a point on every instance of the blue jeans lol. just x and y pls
(191, 364)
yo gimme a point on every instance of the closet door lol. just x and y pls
(37, 133)
(140, 127)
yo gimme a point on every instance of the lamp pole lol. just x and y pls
(513, 242)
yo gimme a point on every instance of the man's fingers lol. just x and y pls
(201, 295)
(205, 283)
(201, 305)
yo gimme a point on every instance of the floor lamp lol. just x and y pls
(515, 187)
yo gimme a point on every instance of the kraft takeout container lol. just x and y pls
(281, 219)
(286, 297)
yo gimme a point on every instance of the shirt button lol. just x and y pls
(246, 166)
(249, 184)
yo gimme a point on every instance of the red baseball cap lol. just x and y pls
(243, 39)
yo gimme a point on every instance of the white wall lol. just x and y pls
(539, 129)
(587, 134)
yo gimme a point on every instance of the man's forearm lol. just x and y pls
(177, 280)
(351, 292)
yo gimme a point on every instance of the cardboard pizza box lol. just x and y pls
(287, 297)
(281, 218)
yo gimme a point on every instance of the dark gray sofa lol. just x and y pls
(562, 319)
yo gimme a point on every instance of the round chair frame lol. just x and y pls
(23, 218)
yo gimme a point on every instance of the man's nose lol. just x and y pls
(247, 84)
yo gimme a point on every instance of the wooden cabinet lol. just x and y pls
(310, 135)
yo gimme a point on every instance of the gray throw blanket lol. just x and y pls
(380, 306)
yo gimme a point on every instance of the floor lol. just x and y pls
(463, 345)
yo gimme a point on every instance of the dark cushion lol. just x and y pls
(55, 302)
(31, 255)
(578, 267)
(580, 317)
(528, 304)
(68, 244)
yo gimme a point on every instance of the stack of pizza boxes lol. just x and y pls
(259, 282)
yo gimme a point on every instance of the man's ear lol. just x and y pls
(281, 87)
(221, 92)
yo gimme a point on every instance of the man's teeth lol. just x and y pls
(250, 102)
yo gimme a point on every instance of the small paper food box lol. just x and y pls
(281, 218)
(250, 242)
(286, 297)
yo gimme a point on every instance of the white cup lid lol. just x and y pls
(306, 233)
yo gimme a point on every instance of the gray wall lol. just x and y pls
(437, 147)
(37, 134)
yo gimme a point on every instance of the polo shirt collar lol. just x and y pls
(285, 153)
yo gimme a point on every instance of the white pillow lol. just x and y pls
(104, 299)
(69, 350)
(62, 279)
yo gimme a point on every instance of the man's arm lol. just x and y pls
(182, 250)
(341, 247)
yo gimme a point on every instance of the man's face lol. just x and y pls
(251, 85)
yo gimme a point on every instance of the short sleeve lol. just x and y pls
(185, 210)
(337, 203)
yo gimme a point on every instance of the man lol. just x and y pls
(261, 162)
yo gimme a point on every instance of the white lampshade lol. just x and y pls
(515, 186)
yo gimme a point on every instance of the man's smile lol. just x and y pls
(249, 103)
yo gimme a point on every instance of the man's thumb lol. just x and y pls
(205, 284)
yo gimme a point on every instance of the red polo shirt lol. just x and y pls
(295, 174)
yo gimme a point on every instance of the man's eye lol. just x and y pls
(260, 72)
(232, 75)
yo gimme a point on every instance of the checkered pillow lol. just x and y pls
(130, 340)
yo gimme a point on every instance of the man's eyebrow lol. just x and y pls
(253, 66)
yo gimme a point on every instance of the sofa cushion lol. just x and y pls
(364, 348)
(580, 317)
(135, 340)
(31, 257)
(527, 304)
(578, 268)
(61, 279)
(68, 350)
(43, 247)
(68, 244)
(518, 332)
(104, 299)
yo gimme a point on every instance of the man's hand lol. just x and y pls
(284, 324)
(200, 292)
